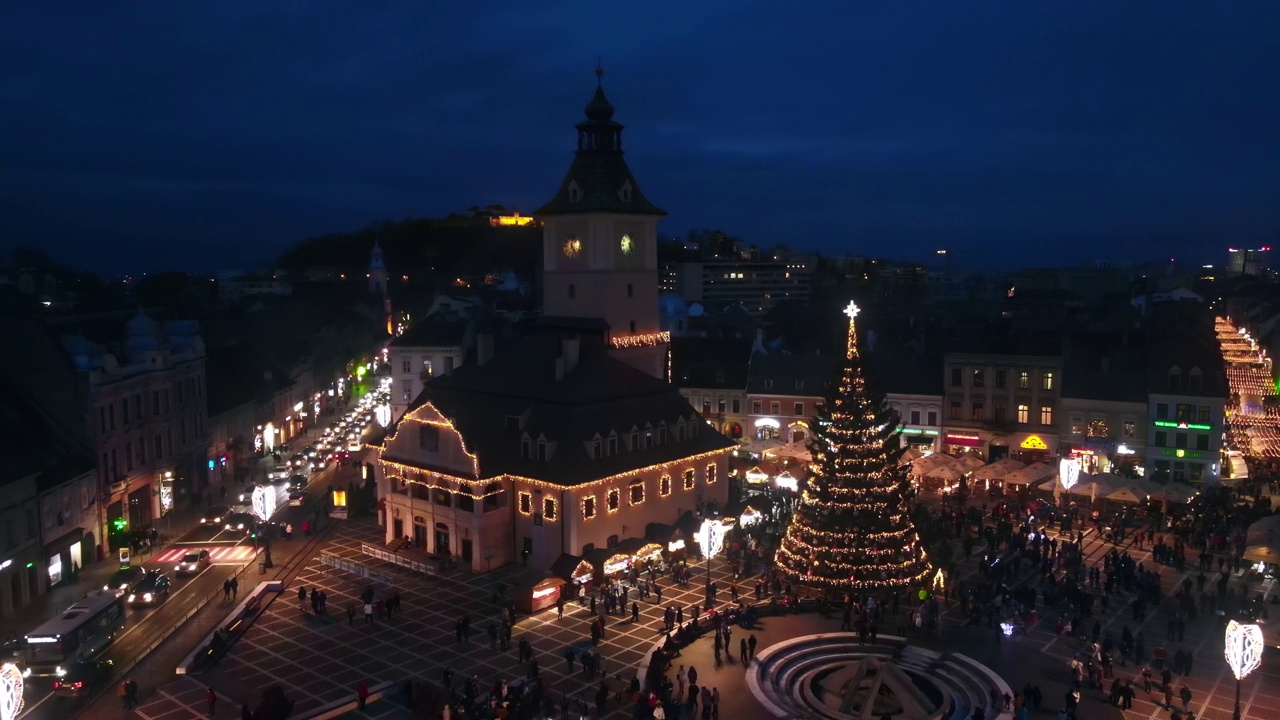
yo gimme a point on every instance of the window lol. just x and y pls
(755, 407)
(542, 450)
(573, 291)
(1046, 415)
(588, 507)
(613, 445)
(1162, 411)
(1077, 425)
(977, 411)
(979, 378)
(1024, 380)
(526, 503)
(1202, 442)
(111, 415)
(664, 486)
(124, 411)
(1024, 414)
(1175, 378)
(915, 417)
(549, 508)
(955, 410)
(631, 291)
(633, 327)
(711, 474)
(1162, 438)
(427, 369)
(956, 377)
(1002, 377)
(159, 448)
(1185, 413)
(1046, 381)
(737, 406)
(526, 448)
(768, 384)
(706, 406)
(1180, 440)
(635, 492)
(933, 417)
(1204, 414)
(429, 438)
(595, 449)
(448, 364)
(1129, 429)
(1098, 428)
(799, 385)
(612, 499)
(102, 418)
(408, 395)
(799, 409)
(688, 479)
(1194, 379)
(662, 435)
(408, 366)
(720, 406)
(775, 407)
(142, 450)
(442, 497)
(155, 402)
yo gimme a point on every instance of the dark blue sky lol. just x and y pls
(153, 135)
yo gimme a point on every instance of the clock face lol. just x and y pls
(627, 246)
(572, 246)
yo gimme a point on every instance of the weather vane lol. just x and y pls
(853, 310)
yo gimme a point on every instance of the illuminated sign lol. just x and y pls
(1033, 442)
(1126, 450)
(918, 431)
(965, 440)
(1182, 425)
(545, 592)
(41, 639)
(6, 563)
(339, 498)
(264, 501)
(1181, 453)
(1069, 472)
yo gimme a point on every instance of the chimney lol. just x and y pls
(570, 350)
(484, 348)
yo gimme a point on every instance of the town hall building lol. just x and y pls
(568, 444)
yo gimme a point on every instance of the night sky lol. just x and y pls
(210, 135)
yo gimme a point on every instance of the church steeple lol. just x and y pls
(377, 271)
(599, 179)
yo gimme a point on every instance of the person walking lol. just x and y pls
(211, 700)
(245, 712)
(362, 694)
(302, 599)
(368, 613)
(1184, 693)
(123, 693)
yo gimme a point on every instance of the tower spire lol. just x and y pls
(599, 71)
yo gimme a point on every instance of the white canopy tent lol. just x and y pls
(910, 455)
(1127, 495)
(948, 473)
(1032, 473)
(997, 470)
(970, 462)
(923, 465)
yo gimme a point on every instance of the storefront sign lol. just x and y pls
(1181, 425)
(545, 592)
(1033, 442)
(965, 440)
(1125, 450)
(918, 431)
(675, 545)
(1181, 453)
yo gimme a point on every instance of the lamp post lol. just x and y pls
(1243, 650)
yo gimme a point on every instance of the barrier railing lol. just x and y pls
(233, 623)
(355, 568)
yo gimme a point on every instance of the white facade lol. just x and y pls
(413, 367)
(1185, 438)
(920, 417)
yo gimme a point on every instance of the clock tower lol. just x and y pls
(600, 244)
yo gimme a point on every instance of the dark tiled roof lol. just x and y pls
(903, 372)
(238, 374)
(817, 372)
(698, 362)
(1104, 369)
(1165, 355)
(34, 446)
(433, 332)
(600, 395)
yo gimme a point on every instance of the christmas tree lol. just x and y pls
(851, 529)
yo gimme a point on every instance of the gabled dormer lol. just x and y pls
(1175, 378)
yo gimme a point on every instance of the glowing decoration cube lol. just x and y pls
(264, 501)
(10, 691)
(1069, 472)
(1243, 648)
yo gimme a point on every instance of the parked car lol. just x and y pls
(123, 580)
(83, 676)
(151, 590)
(193, 563)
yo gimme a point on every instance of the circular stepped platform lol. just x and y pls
(810, 678)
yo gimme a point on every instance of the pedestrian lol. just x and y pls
(635, 612)
(368, 613)
(226, 589)
(245, 712)
(211, 699)
(362, 694)
(742, 651)
(235, 584)
(751, 647)
(351, 615)
(1185, 694)
(302, 599)
(123, 692)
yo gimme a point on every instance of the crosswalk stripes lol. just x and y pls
(218, 554)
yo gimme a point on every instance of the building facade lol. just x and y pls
(712, 375)
(920, 417)
(784, 393)
(148, 417)
(1002, 405)
(430, 348)
(21, 560)
(757, 285)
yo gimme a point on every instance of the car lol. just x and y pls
(152, 589)
(297, 497)
(215, 516)
(279, 472)
(241, 522)
(354, 446)
(192, 563)
(297, 481)
(83, 676)
(123, 580)
(298, 460)
(317, 464)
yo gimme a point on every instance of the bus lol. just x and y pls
(79, 633)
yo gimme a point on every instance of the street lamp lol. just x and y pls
(1243, 650)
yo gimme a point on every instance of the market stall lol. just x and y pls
(531, 595)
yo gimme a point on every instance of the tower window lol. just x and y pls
(573, 291)
(633, 327)
(624, 193)
(575, 192)
(631, 290)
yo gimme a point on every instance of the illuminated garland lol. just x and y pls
(620, 342)
(851, 529)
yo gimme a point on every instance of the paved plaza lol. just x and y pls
(320, 660)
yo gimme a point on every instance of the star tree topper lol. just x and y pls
(852, 311)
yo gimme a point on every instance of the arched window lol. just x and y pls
(573, 291)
